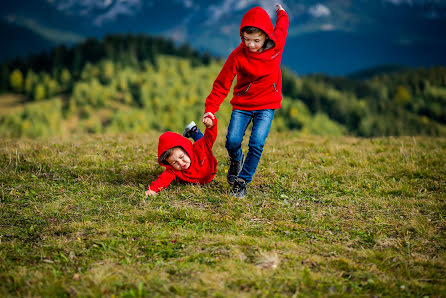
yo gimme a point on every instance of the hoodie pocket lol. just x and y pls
(275, 89)
(243, 92)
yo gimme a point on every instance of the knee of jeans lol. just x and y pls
(256, 148)
(256, 144)
(232, 143)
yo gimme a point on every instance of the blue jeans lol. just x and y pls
(261, 124)
(196, 135)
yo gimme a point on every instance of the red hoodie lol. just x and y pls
(203, 166)
(259, 79)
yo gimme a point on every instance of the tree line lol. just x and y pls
(138, 82)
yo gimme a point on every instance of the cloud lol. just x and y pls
(328, 27)
(88, 4)
(319, 10)
(416, 2)
(187, 3)
(105, 10)
(242, 4)
(123, 7)
(398, 2)
(54, 35)
(180, 33)
(217, 11)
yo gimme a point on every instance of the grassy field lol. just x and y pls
(323, 216)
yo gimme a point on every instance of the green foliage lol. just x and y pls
(321, 125)
(31, 80)
(91, 93)
(402, 96)
(378, 106)
(52, 87)
(151, 78)
(107, 71)
(39, 92)
(16, 81)
(65, 79)
(36, 119)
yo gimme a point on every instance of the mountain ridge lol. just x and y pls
(390, 33)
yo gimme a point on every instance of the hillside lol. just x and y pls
(324, 216)
(128, 83)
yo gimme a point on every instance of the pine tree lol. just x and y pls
(65, 79)
(4, 78)
(16, 81)
(39, 92)
(30, 82)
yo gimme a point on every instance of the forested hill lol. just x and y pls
(139, 83)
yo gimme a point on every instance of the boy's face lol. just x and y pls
(179, 160)
(254, 41)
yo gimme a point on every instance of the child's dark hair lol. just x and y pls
(163, 158)
(251, 30)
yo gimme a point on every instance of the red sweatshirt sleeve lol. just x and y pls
(281, 28)
(222, 84)
(209, 137)
(163, 181)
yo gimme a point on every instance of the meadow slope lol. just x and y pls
(326, 216)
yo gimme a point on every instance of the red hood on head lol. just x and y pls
(171, 139)
(258, 17)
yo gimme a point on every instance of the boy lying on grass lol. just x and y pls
(184, 161)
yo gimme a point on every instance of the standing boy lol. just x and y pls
(258, 92)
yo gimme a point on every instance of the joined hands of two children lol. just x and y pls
(207, 119)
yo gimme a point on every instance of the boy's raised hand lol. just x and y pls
(150, 192)
(279, 7)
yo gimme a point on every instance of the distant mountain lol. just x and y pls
(329, 36)
(369, 73)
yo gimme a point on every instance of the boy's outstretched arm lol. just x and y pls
(162, 182)
(281, 28)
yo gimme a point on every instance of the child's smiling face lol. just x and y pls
(254, 41)
(179, 159)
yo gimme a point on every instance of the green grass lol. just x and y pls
(323, 216)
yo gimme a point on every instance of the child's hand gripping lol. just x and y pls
(207, 119)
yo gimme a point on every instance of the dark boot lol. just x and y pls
(239, 188)
(235, 167)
